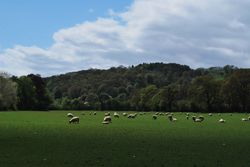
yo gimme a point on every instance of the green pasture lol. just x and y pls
(46, 139)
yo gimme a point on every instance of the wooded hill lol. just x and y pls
(145, 87)
(149, 87)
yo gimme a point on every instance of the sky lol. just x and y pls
(54, 37)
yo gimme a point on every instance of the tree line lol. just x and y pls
(145, 87)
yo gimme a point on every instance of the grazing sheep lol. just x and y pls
(249, 118)
(116, 115)
(244, 119)
(222, 121)
(156, 113)
(174, 119)
(107, 114)
(171, 118)
(70, 115)
(132, 116)
(124, 114)
(154, 117)
(94, 113)
(199, 119)
(210, 114)
(107, 120)
(74, 120)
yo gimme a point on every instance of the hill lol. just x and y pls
(154, 86)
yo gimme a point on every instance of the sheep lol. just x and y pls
(107, 120)
(124, 114)
(70, 115)
(249, 118)
(107, 114)
(187, 114)
(222, 121)
(171, 118)
(174, 119)
(94, 113)
(132, 115)
(244, 119)
(199, 119)
(187, 117)
(90, 113)
(74, 120)
(156, 113)
(116, 115)
(210, 114)
(154, 117)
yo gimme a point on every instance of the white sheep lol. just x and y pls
(74, 120)
(210, 114)
(94, 113)
(154, 117)
(116, 115)
(171, 118)
(174, 119)
(70, 115)
(124, 114)
(132, 115)
(244, 119)
(222, 120)
(107, 114)
(199, 119)
(107, 120)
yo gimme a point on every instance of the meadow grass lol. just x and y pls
(46, 139)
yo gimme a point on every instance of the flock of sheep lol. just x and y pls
(108, 119)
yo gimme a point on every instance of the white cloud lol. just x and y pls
(197, 33)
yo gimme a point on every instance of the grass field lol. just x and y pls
(33, 139)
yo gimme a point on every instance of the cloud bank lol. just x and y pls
(197, 33)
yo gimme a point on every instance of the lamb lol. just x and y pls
(107, 120)
(222, 121)
(70, 115)
(116, 115)
(154, 117)
(74, 120)
(124, 114)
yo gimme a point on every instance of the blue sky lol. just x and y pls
(33, 22)
(50, 37)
